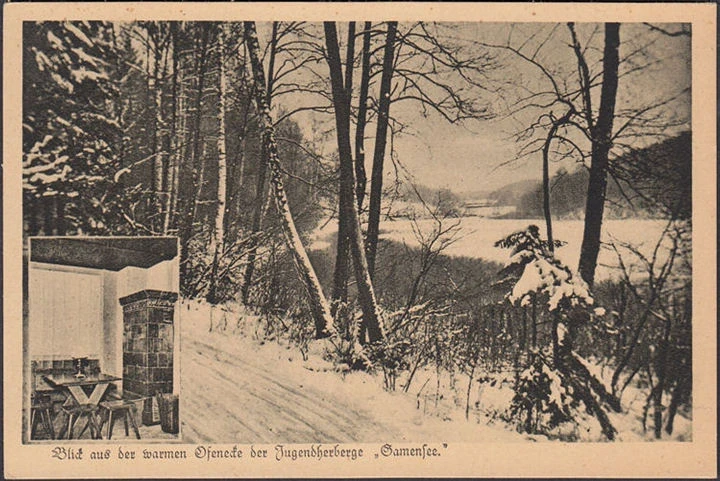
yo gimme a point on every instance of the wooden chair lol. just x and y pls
(41, 409)
(78, 411)
(126, 409)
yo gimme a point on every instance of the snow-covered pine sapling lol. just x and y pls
(543, 399)
(536, 274)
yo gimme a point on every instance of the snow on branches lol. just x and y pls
(535, 271)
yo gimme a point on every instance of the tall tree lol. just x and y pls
(190, 181)
(158, 34)
(217, 244)
(383, 120)
(342, 258)
(318, 304)
(175, 145)
(258, 206)
(360, 175)
(372, 319)
(601, 137)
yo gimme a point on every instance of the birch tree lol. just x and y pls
(261, 180)
(429, 65)
(217, 244)
(342, 258)
(318, 303)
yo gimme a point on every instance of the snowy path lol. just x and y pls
(235, 389)
(234, 399)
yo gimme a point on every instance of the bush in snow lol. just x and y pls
(390, 355)
(542, 399)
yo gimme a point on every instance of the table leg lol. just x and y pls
(97, 393)
(79, 395)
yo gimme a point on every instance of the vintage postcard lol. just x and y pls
(342, 240)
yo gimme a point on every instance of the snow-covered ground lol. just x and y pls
(239, 387)
(478, 236)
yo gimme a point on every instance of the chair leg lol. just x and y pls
(52, 425)
(47, 421)
(111, 424)
(125, 419)
(33, 414)
(131, 416)
(95, 427)
(33, 422)
(70, 426)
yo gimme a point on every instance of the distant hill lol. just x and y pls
(653, 181)
(511, 194)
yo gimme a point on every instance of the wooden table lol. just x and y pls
(96, 384)
(86, 392)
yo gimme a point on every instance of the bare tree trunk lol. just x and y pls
(662, 376)
(601, 142)
(318, 303)
(171, 187)
(192, 186)
(342, 258)
(260, 184)
(467, 394)
(219, 232)
(556, 123)
(179, 134)
(366, 295)
(159, 160)
(546, 197)
(679, 394)
(380, 142)
(360, 176)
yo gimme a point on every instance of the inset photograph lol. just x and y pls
(101, 339)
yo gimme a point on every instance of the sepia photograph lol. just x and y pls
(100, 337)
(369, 240)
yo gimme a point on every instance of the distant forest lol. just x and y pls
(665, 189)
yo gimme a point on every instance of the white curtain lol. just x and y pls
(65, 313)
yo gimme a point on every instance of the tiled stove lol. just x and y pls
(148, 347)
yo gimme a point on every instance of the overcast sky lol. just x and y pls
(469, 157)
